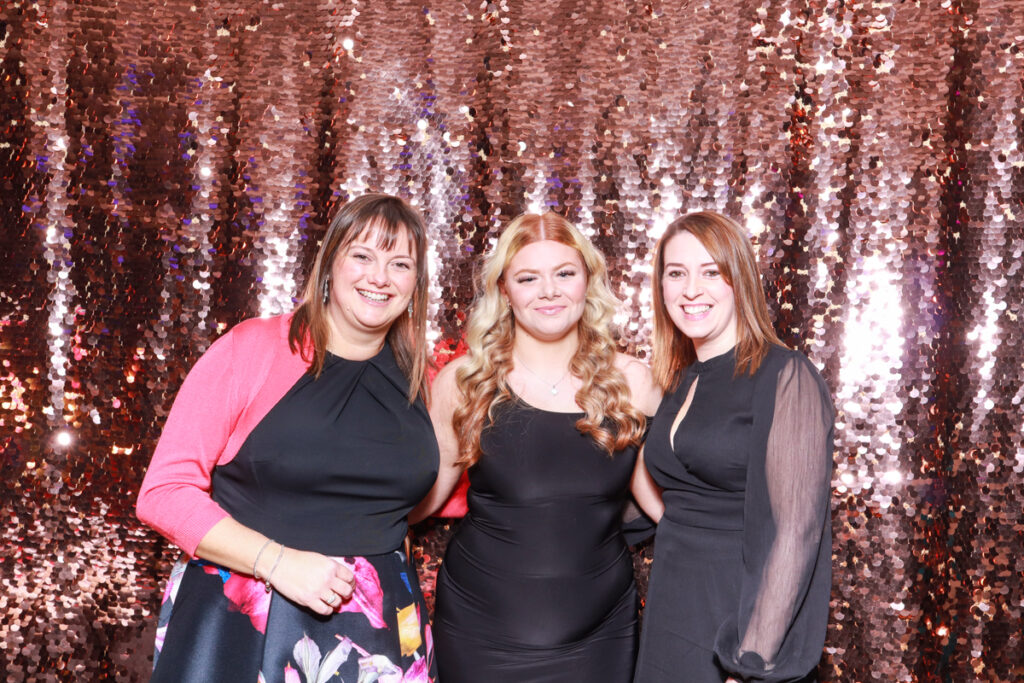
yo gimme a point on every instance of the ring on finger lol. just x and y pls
(332, 599)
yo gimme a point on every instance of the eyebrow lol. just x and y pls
(703, 265)
(568, 264)
(367, 247)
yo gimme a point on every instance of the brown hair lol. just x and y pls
(483, 379)
(729, 246)
(392, 218)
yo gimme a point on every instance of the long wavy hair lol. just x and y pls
(610, 418)
(729, 246)
(392, 219)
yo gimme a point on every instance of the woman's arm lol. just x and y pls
(646, 397)
(779, 628)
(645, 491)
(303, 577)
(445, 396)
(175, 495)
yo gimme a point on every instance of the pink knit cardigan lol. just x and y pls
(229, 390)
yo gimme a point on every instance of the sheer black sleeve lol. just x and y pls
(778, 631)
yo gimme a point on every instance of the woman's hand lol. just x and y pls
(311, 579)
(306, 578)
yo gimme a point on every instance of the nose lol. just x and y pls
(691, 287)
(378, 274)
(549, 289)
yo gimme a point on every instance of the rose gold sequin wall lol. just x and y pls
(166, 170)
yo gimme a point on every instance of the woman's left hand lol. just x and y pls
(316, 581)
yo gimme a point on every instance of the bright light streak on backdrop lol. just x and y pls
(166, 169)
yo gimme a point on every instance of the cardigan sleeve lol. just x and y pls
(175, 495)
(779, 630)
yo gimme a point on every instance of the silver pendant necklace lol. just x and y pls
(554, 387)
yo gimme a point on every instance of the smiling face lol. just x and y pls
(370, 286)
(546, 286)
(698, 299)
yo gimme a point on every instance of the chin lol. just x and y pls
(378, 324)
(696, 336)
(557, 335)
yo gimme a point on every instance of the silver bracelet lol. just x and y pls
(256, 561)
(266, 581)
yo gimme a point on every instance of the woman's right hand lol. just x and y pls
(312, 580)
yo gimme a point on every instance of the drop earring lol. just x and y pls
(327, 291)
(409, 308)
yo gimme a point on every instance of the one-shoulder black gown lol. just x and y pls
(537, 583)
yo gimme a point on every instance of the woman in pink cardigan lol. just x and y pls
(294, 451)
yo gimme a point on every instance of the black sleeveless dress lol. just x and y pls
(333, 468)
(537, 583)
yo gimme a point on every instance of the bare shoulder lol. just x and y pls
(445, 387)
(645, 391)
(635, 370)
(447, 373)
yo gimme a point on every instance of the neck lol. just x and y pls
(708, 351)
(549, 357)
(353, 345)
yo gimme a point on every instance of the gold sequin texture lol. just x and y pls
(167, 169)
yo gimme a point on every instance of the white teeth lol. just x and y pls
(694, 310)
(374, 296)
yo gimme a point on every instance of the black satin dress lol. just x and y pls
(537, 583)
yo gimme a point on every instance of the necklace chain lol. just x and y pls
(554, 387)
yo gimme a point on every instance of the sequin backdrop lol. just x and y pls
(167, 169)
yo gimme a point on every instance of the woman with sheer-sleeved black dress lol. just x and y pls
(737, 468)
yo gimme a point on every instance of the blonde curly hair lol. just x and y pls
(483, 378)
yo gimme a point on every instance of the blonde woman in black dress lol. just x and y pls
(738, 469)
(537, 583)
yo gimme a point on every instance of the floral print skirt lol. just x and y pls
(218, 625)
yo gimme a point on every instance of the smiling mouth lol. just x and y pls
(551, 310)
(696, 309)
(379, 297)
